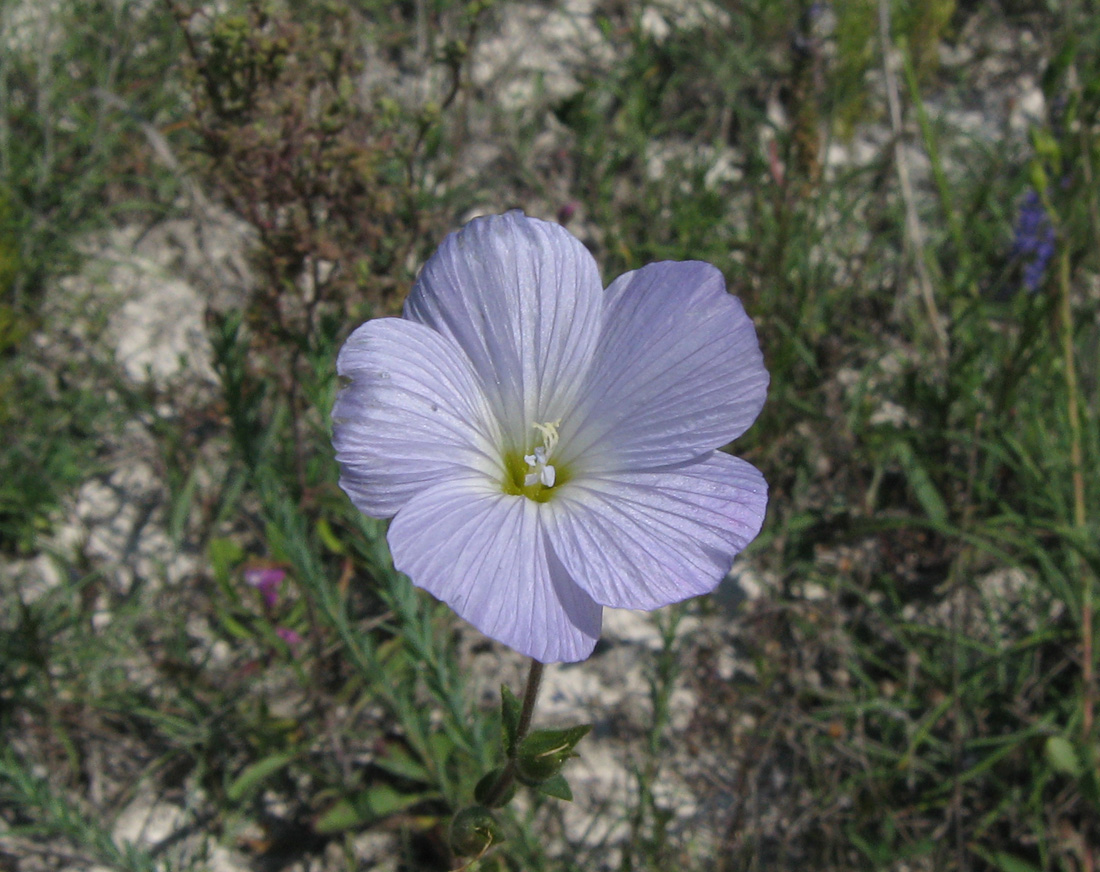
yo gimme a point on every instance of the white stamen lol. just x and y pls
(541, 470)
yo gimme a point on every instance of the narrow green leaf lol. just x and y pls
(1009, 863)
(180, 511)
(510, 709)
(224, 554)
(329, 538)
(366, 807)
(231, 625)
(1089, 783)
(924, 489)
(1063, 756)
(341, 816)
(255, 774)
(402, 764)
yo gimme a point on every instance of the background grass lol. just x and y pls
(915, 236)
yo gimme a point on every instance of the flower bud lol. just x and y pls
(473, 831)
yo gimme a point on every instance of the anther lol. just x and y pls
(542, 472)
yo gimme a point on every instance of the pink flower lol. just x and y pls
(288, 635)
(267, 581)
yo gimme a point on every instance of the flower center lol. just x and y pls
(541, 471)
(533, 475)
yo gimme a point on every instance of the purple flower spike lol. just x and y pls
(266, 580)
(547, 447)
(1034, 241)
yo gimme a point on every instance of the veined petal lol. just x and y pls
(523, 298)
(484, 554)
(412, 415)
(678, 372)
(646, 539)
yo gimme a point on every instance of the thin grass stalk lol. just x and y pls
(1080, 516)
(939, 175)
(914, 231)
(1080, 522)
(960, 569)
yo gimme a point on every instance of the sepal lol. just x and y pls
(541, 755)
(556, 787)
(483, 793)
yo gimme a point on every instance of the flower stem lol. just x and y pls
(530, 695)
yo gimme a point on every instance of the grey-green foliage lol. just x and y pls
(78, 80)
(888, 703)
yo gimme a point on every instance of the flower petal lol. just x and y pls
(647, 539)
(484, 554)
(678, 372)
(523, 298)
(412, 415)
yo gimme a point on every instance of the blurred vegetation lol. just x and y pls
(916, 684)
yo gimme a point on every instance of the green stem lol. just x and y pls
(530, 695)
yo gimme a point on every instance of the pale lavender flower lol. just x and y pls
(547, 447)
